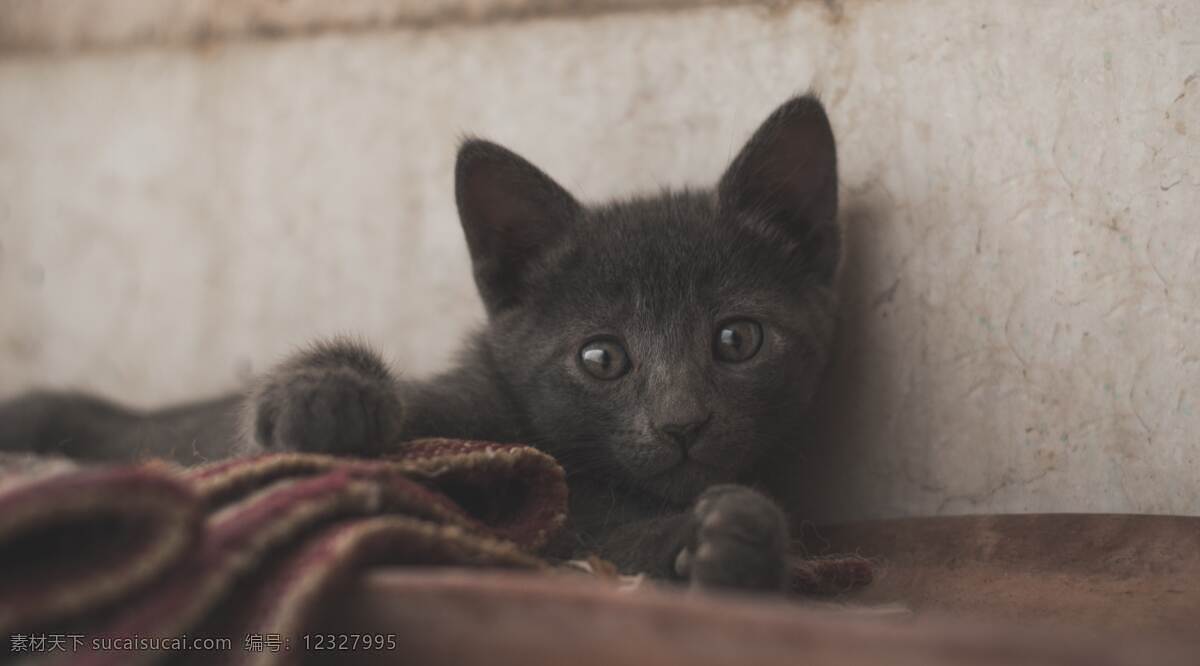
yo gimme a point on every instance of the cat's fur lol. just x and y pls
(656, 457)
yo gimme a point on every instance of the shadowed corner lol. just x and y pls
(822, 479)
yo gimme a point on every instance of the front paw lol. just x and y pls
(317, 404)
(737, 538)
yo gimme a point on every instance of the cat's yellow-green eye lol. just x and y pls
(737, 341)
(604, 358)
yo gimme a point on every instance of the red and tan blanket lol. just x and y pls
(119, 565)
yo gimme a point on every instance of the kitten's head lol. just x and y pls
(671, 340)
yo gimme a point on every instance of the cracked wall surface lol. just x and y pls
(1021, 327)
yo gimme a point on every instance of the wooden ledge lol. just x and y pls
(68, 26)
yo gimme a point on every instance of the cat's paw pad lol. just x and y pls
(328, 410)
(737, 539)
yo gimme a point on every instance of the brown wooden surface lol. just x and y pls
(1109, 573)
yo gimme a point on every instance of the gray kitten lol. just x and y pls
(664, 348)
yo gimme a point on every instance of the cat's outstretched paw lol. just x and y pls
(737, 538)
(336, 398)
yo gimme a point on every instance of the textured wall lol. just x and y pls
(1021, 189)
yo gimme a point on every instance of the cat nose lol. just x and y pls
(684, 431)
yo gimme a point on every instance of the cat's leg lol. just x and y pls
(340, 397)
(336, 397)
(732, 537)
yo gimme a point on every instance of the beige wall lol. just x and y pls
(1021, 189)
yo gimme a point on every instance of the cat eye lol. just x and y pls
(737, 341)
(604, 359)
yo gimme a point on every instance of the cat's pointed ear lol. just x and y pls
(784, 183)
(511, 212)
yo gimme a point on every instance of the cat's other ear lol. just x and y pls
(511, 212)
(784, 184)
